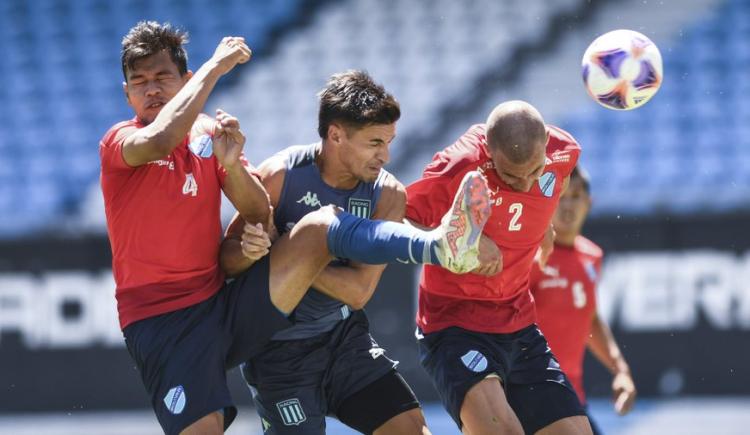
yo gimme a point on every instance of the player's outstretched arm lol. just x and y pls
(238, 248)
(175, 119)
(355, 284)
(604, 347)
(243, 190)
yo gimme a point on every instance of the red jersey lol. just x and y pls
(500, 303)
(565, 296)
(163, 223)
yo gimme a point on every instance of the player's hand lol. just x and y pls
(490, 257)
(231, 51)
(623, 392)
(228, 140)
(255, 242)
(547, 246)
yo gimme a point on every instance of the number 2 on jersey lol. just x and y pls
(191, 186)
(517, 209)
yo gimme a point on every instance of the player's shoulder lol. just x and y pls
(118, 130)
(466, 152)
(587, 247)
(297, 156)
(389, 183)
(562, 150)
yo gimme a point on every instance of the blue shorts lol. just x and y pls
(183, 355)
(539, 393)
(296, 383)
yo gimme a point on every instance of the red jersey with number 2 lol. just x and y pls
(565, 296)
(500, 303)
(163, 223)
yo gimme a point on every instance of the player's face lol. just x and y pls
(573, 208)
(520, 177)
(151, 83)
(364, 151)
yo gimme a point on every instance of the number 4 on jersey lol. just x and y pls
(191, 186)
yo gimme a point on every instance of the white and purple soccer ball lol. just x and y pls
(622, 69)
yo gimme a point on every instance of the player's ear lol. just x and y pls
(335, 133)
(187, 76)
(125, 90)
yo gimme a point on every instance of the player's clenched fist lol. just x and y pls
(490, 257)
(255, 241)
(231, 51)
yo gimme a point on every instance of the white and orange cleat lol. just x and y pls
(460, 229)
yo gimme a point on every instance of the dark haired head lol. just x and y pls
(148, 38)
(581, 174)
(353, 99)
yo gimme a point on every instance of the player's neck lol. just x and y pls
(332, 170)
(565, 239)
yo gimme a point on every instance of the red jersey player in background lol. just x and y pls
(477, 335)
(565, 295)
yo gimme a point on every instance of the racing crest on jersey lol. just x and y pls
(547, 184)
(291, 412)
(202, 146)
(359, 207)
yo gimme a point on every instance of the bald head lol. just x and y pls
(516, 129)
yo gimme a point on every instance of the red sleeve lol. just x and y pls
(110, 148)
(428, 199)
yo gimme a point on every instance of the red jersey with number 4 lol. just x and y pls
(565, 295)
(500, 303)
(163, 223)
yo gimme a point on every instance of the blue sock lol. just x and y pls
(380, 242)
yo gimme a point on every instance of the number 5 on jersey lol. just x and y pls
(191, 186)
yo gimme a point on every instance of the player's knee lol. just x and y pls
(318, 220)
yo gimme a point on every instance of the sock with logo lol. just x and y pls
(380, 242)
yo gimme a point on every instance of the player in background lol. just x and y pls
(162, 175)
(565, 295)
(477, 334)
(327, 363)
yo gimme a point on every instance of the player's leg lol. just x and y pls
(365, 391)
(181, 358)
(212, 424)
(298, 257)
(539, 392)
(286, 380)
(486, 410)
(466, 368)
(578, 425)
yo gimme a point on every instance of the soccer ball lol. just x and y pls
(622, 69)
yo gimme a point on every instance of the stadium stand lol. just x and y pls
(62, 90)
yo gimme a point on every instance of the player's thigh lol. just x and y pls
(298, 257)
(409, 422)
(537, 390)
(385, 406)
(249, 318)
(578, 425)
(212, 424)
(181, 356)
(456, 360)
(485, 410)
